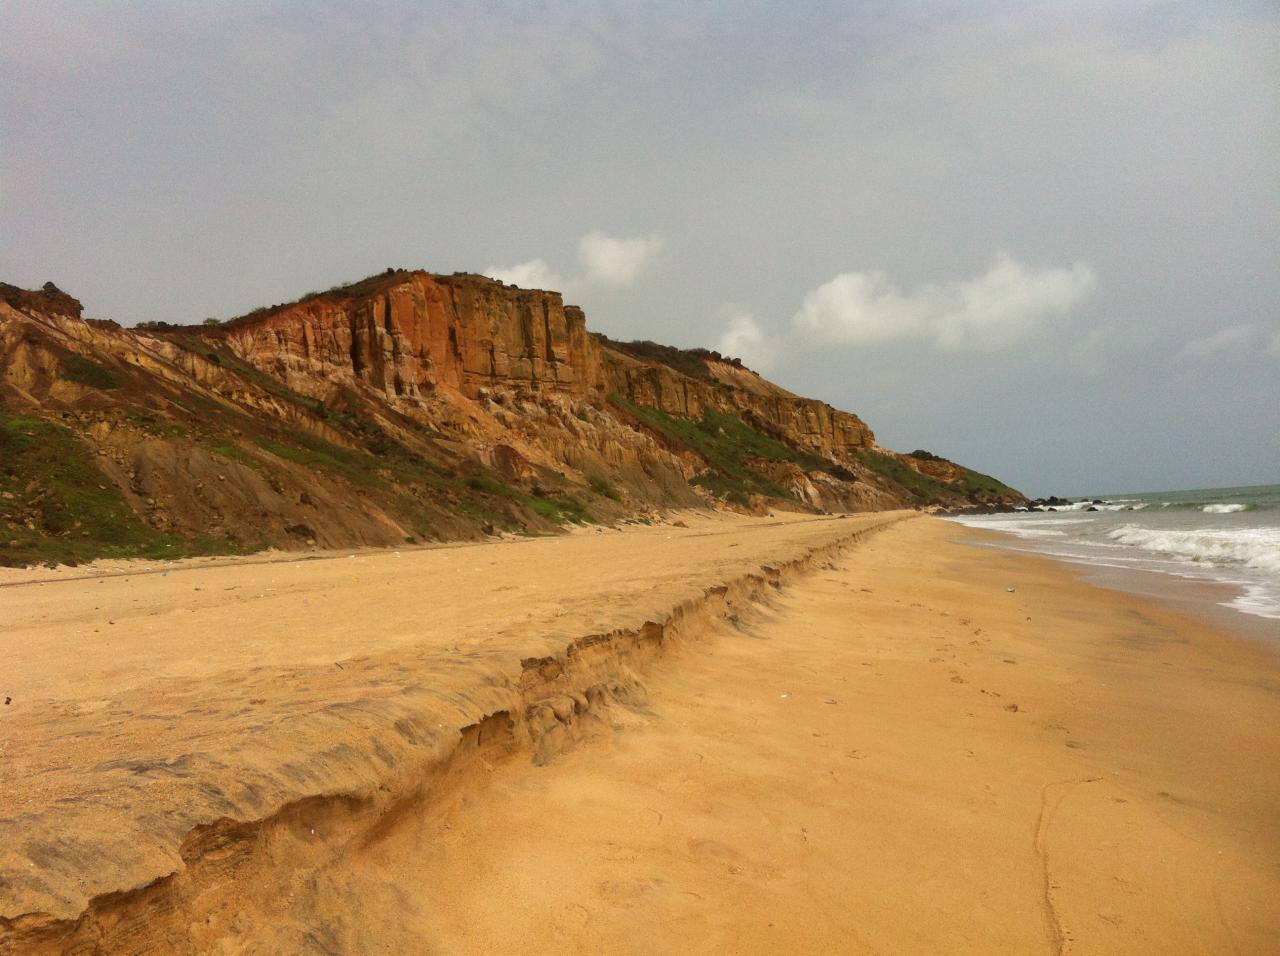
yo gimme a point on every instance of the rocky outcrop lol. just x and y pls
(932, 465)
(48, 300)
(409, 334)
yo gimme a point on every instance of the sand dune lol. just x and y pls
(815, 744)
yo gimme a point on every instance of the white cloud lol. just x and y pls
(989, 313)
(859, 307)
(1232, 339)
(534, 274)
(1010, 303)
(617, 262)
(607, 262)
(743, 338)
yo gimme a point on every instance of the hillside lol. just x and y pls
(408, 407)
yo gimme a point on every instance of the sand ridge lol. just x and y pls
(148, 707)
(896, 755)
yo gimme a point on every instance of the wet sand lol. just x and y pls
(880, 751)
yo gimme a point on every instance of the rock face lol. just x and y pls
(809, 423)
(410, 333)
(407, 406)
(415, 333)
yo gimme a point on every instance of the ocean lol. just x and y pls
(1228, 536)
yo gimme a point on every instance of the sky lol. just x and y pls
(1040, 239)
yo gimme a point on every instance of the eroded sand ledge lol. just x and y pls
(170, 726)
(890, 753)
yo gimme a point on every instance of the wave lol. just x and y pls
(1090, 506)
(1258, 600)
(1246, 547)
(1223, 509)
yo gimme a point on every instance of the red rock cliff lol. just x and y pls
(413, 332)
(408, 334)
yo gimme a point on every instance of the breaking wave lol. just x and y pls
(1223, 509)
(1244, 547)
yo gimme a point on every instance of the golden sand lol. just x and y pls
(889, 753)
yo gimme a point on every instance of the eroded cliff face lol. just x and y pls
(406, 407)
(806, 422)
(412, 333)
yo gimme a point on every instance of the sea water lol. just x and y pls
(1225, 535)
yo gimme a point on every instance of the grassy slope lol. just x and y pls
(416, 484)
(56, 505)
(929, 489)
(727, 444)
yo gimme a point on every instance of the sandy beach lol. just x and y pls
(794, 734)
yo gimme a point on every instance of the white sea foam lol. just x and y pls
(1229, 536)
(1243, 547)
(1023, 527)
(1090, 506)
(1259, 600)
(1019, 529)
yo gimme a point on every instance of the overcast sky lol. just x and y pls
(1041, 239)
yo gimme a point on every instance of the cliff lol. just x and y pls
(405, 407)
(407, 334)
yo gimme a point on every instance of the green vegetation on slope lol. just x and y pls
(85, 371)
(727, 444)
(56, 505)
(382, 462)
(690, 362)
(975, 482)
(558, 509)
(922, 486)
(269, 384)
(928, 489)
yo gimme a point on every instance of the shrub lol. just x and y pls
(85, 371)
(601, 486)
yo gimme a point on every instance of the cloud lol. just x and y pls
(1010, 303)
(861, 307)
(989, 313)
(743, 338)
(534, 274)
(616, 262)
(607, 262)
(1232, 339)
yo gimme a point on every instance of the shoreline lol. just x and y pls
(888, 751)
(1195, 596)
